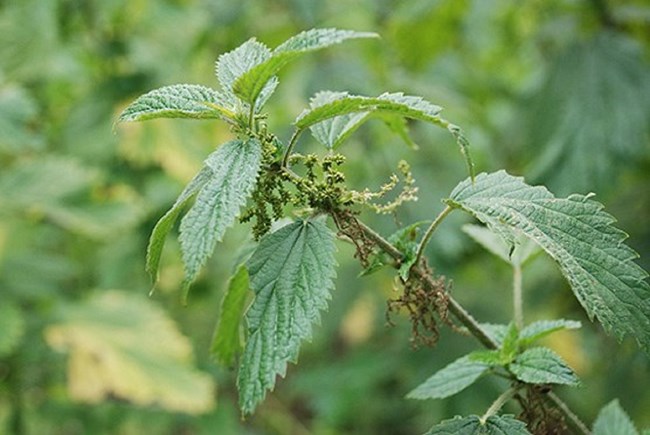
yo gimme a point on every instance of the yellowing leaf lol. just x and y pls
(122, 346)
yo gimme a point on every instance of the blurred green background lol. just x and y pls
(556, 90)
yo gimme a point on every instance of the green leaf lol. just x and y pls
(177, 101)
(122, 345)
(612, 420)
(599, 90)
(496, 332)
(333, 104)
(450, 380)
(334, 131)
(541, 365)
(236, 63)
(405, 240)
(576, 233)
(523, 249)
(489, 357)
(472, 425)
(234, 166)
(291, 273)
(542, 328)
(34, 183)
(249, 85)
(227, 341)
(18, 115)
(12, 326)
(336, 104)
(510, 344)
(165, 224)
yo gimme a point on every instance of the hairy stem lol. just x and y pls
(517, 296)
(575, 420)
(498, 403)
(429, 233)
(454, 307)
(292, 143)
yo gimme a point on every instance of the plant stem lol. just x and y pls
(454, 307)
(498, 403)
(292, 143)
(429, 233)
(570, 414)
(517, 296)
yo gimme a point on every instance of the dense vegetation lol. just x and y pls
(556, 91)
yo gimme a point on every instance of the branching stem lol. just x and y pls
(290, 145)
(454, 307)
(429, 233)
(499, 402)
(570, 414)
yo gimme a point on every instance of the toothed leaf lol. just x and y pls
(227, 341)
(177, 101)
(450, 380)
(579, 235)
(341, 104)
(291, 273)
(249, 85)
(472, 425)
(612, 420)
(234, 166)
(542, 328)
(541, 365)
(165, 224)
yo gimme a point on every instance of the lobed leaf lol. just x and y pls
(234, 167)
(450, 380)
(251, 83)
(579, 235)
(541, 365)
(542, 328)
(473, 425)
(612, 420)
(291, 273)
(165, 224)
(178, 101)
(227, 342)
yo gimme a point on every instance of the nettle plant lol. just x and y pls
(256, 177)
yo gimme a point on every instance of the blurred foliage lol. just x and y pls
(556, 90)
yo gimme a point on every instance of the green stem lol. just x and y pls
(292, 143)
(570, 414)
(453, 306)
(498, 403)
(517, 296)
(429, 233)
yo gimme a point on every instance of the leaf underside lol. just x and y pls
(291, 273)
(250, 85)
(177, 101)
(227, 342)
(450, 380)
(542, 328)
(341, 113)
(579, 236)
(234, 167)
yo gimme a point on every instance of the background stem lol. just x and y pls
(517, 296)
